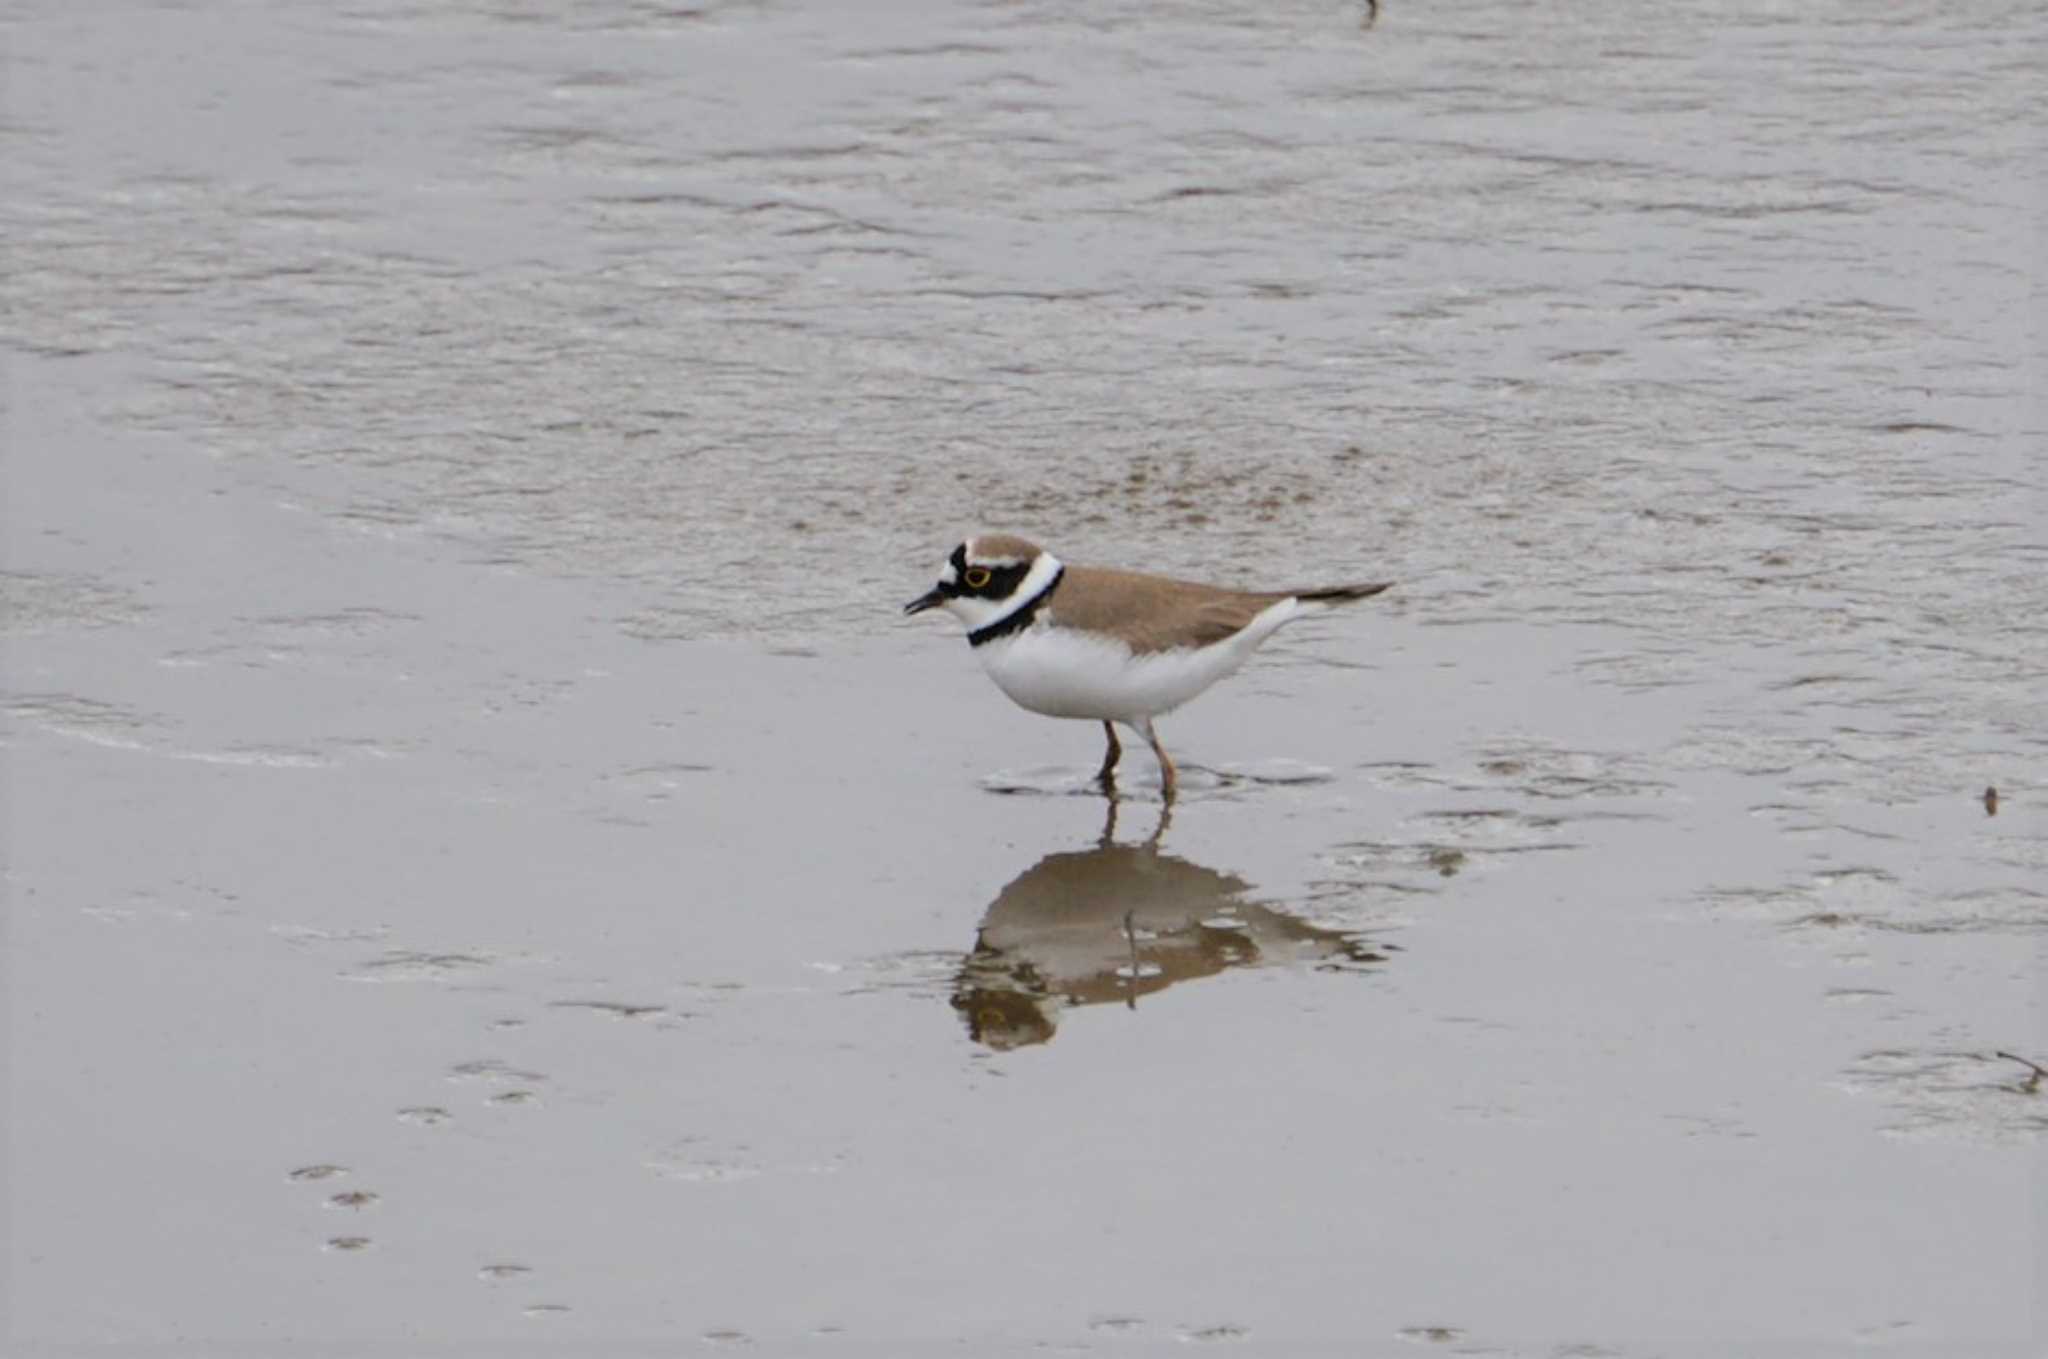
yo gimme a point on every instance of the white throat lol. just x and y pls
(979, 613)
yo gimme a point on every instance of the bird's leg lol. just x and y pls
(1107, 775)
(1159, 831)
(1168, 776)
(1131, 935)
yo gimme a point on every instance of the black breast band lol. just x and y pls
(1019, 620)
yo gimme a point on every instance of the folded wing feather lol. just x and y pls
(1155, 613)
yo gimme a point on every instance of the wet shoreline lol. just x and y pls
(487, 865)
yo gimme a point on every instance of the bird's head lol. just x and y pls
(987, 578)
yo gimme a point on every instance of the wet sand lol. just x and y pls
(487, 866)
(641, 969)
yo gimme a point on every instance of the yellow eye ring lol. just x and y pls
(976, 577)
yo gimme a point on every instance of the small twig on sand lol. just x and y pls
(2033, 1082)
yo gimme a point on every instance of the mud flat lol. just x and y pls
(488, 867)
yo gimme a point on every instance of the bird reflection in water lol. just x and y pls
(1116, 922)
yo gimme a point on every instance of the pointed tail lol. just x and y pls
(1341, 594)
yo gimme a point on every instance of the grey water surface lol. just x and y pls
(487, 865)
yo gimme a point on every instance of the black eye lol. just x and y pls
(976, 577)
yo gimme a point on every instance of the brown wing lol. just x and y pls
(1152, 613)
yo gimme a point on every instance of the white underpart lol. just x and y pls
(1064, 672)
(979, 613)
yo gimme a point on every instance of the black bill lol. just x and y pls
(929, 599)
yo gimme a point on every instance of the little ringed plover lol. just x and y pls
(1111, 646)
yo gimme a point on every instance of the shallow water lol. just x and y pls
(486, 862)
